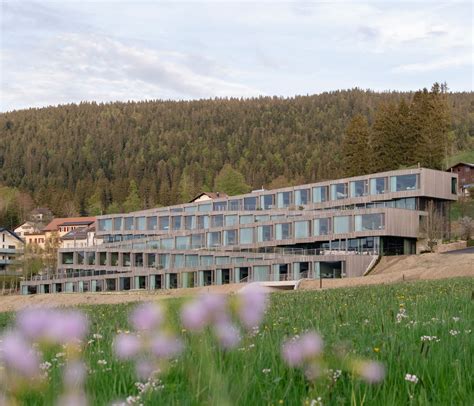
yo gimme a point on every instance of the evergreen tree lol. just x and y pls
(230, 181)
(132, 202)
(385, 139)
(356, 151)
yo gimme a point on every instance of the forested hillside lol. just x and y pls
(93, 158)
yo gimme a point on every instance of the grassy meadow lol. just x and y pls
(356, 322)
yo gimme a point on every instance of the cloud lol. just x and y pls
(77, 67)
(434, 65)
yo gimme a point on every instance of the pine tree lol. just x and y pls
(230, 181)
(132, 202)
(385, 139)
(356, 153)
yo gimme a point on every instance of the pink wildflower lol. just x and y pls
(300, 350)
(372, 372)
(146, 316)
(227, 335)
(126, 346)
(194, 316)
(166, 347)
(253, 303)
(18, 355)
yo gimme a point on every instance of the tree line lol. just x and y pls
(101, 158)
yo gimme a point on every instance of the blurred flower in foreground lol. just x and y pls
(18, 355)
(300, 350)
(371, 371)
(253, 301)
(151, 345)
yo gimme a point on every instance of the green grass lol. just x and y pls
(462, 208)
(464, 156)
(358, 319)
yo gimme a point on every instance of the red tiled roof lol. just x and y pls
(211, 195)
(54, 224)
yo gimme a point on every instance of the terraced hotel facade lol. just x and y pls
(328, 229)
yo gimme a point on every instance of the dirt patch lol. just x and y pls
(405, 268)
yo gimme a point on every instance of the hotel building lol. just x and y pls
(330, 229)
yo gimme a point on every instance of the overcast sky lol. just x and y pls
(55, 52)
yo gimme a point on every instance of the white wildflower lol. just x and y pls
(411, 378)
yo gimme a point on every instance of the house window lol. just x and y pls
(342, 224)
(266, 202)
(321, 226)
(367, 222)
(358, 188)
(454, 185)
(403, 182)
(283, 231)
(339, 191)
(301, 229)
(302, 197)
(284, 199)
(264, 233)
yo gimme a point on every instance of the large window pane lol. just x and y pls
(220, 206)
(192, 261)
(218, 220)
(230, 237)
(266, 202)
(358, 188)
(301, 229)
(264, 233)
(207, 260)
(197, 240)
(250, 203)
(301, 197)
(141, 223)
(284, 199)
(378, 186)
(182, 242)
(151, 223)
(167, 243)
(105, 224)
(117, 223)
(246, 235)
(246, 219)
(283, 231)
(164, 223)
(205, 207)
(129, 223)
(320, 194)
(369, 222)
(235, 204)
(339, 191)
(178, 261)
(214, 239)
(176, 222)
(403, 182)
(321, 226)
(189, 222)
(202, 222)
(231, 220)
(341, 224)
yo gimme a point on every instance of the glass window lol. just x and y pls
(301, 229)
(164, 223)
(220, 206)
(141, 223)
(207, 260)
(365, 222)
(90, 258)
(231, 220)
(152, 223)
(182, 242)
(128, 223)
(321, 226)
(167, 243)
(283, 231)
(68, 258)
(222, 260)
(266, 202)
(454, 185)
(126, 259)
(301, 197)
(117, 223)
(341, 224)
(202, 222)
(411, 203)
(358, 188)
(235, 204)
(197, 240)
(176, 210)
(178, 261)
(217, 221)
(264, 233)
(189, 222)
(378, 186)
(105, 224)
(284, 199)
(214, 239)
(403, 182)
(250, 203)
(339, 191)
(246, 235)
(262, 218)
(164, 260)
(190, 209)
(192, 261)
(246, 219)
(320, 194)
(230, 237)
(80, 258)
(176, 222)
(205, 207)
(151, 260)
